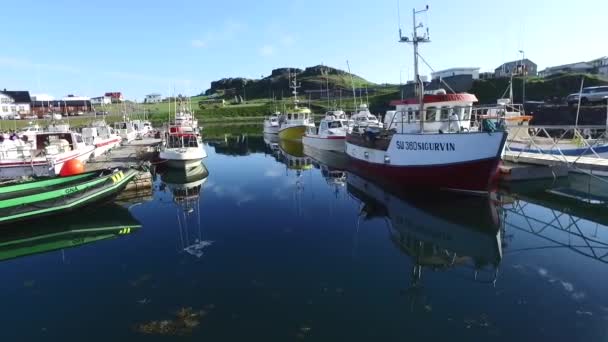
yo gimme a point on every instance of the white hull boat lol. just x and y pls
(43, 157)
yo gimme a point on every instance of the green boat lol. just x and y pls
(57, 195)
(72, 230)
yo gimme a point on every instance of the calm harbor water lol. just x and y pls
(274, 242)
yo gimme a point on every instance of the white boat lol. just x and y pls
(42, 156)
(183, 147)
(331, 134)
(30, 131)
(434, 150)
(142, 127)
(102, 137)
(364, 119)
(125, 130)
(271, 124)
(293, 124)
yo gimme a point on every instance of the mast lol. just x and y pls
(295, 87)
(352, 82)
(415, 40)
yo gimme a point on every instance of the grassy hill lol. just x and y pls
(551, 89)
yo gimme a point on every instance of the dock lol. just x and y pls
(594, 165)
(131, 154)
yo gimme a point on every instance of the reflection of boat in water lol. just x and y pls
(292, 155)
(437, 232)
(76, 229)
(579, 195)
(186, 187)
(331, 159)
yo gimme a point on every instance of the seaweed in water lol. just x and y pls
(186, 320)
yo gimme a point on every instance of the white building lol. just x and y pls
(566, 68)
(153, 98)
(474, 72)
(101, 100)
(15, 102)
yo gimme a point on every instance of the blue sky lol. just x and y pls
(138, 47)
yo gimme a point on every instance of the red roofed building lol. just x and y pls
(115, 96)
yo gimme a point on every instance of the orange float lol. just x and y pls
(71, 167)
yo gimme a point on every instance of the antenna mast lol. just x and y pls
(295, 87)
(352, 82)
(415, 40)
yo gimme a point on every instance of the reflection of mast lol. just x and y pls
(186, 187)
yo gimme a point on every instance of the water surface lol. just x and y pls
(277, 243)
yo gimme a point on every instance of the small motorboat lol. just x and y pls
(102, 137)
(331, 135)
(57, 195)
(271, 124)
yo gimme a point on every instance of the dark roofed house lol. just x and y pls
(19, 104)
(518, 67)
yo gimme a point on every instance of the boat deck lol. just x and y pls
(130, 154)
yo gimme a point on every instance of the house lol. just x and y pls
(14, 102)
(580, 67)
(67, 105)
(153, 98)
(596, 66)
(116, 97)
(473, 72)
(519, 67)
(486, 75)
(101, 100)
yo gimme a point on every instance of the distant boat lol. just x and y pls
(294, 123)
(271, 124)
(331, 134)
(102, 136)
(126, 130)
(183, 145)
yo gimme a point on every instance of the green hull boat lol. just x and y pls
(72, 230)
(57, 195)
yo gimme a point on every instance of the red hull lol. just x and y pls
(471, 176)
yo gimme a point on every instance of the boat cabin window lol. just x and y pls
(466, 113)
(445, 113)
(288, 116)
(431, 114)
(410, 114)
(371, 118)
(79, 139)
(323, 125)
(335, 124)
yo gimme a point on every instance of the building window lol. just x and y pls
(5, 109)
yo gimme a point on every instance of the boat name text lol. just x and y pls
(71, 190)
(426, 146)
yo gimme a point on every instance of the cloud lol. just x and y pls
(197, 43)
(273, 173)
(266, 50)
(287, 40)
(13, 62)
(233, 192)
(226, 32)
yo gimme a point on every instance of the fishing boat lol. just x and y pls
(182, 147)
(142, 127)
(43, 156)
(434, 232)
(331, 134)
(422, 147)
(103, 222)
(126, 130)
(60, 194)
(271, 124)
(102, 136)
(363, 119)
(293, 124)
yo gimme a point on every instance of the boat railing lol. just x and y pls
(400, 119)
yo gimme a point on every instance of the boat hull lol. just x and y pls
(41, 166)
(292, 133)
(104, 146)
(462, 162)
(337, 144)
(269, 129)
(183, 158)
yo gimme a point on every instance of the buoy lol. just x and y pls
(71, 167)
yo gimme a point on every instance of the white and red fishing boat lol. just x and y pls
(330, 135)
(102, 137)
(437, 149)
(183, 145)
(42, 156)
